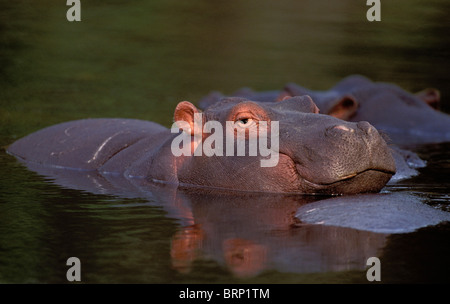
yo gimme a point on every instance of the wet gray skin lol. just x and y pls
(318, 153)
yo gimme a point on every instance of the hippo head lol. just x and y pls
(318, 153)
(407, 118)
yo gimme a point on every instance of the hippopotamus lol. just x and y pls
(318, 154)
(408, 119)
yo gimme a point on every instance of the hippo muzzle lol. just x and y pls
(348, 158)
(337, 157)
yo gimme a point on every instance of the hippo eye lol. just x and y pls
(244, 122)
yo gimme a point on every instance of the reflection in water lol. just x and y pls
(243, 257)
(253, 233)
(246, 232)
(186, 247)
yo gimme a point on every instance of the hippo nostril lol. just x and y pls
(344, 128)
(339, 130)
(365, 126)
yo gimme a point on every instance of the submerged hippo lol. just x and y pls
(317, 153)
(407, 118)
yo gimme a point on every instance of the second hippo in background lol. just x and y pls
(408, 119)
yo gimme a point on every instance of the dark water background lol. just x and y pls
(138, 59)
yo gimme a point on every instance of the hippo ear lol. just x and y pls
(431, 97)
(185, 112)
(303, 104)
(283, 95)
(344, 108)
(292, 89)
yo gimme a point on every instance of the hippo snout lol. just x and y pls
(354, 158)
(360, 135)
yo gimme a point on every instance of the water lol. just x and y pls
(138, 60)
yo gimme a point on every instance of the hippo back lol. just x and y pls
(83, 144)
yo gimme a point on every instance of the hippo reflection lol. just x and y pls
(295, 233)
(317, 153)
(407, 118)
(249, 233)
(272, 240)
